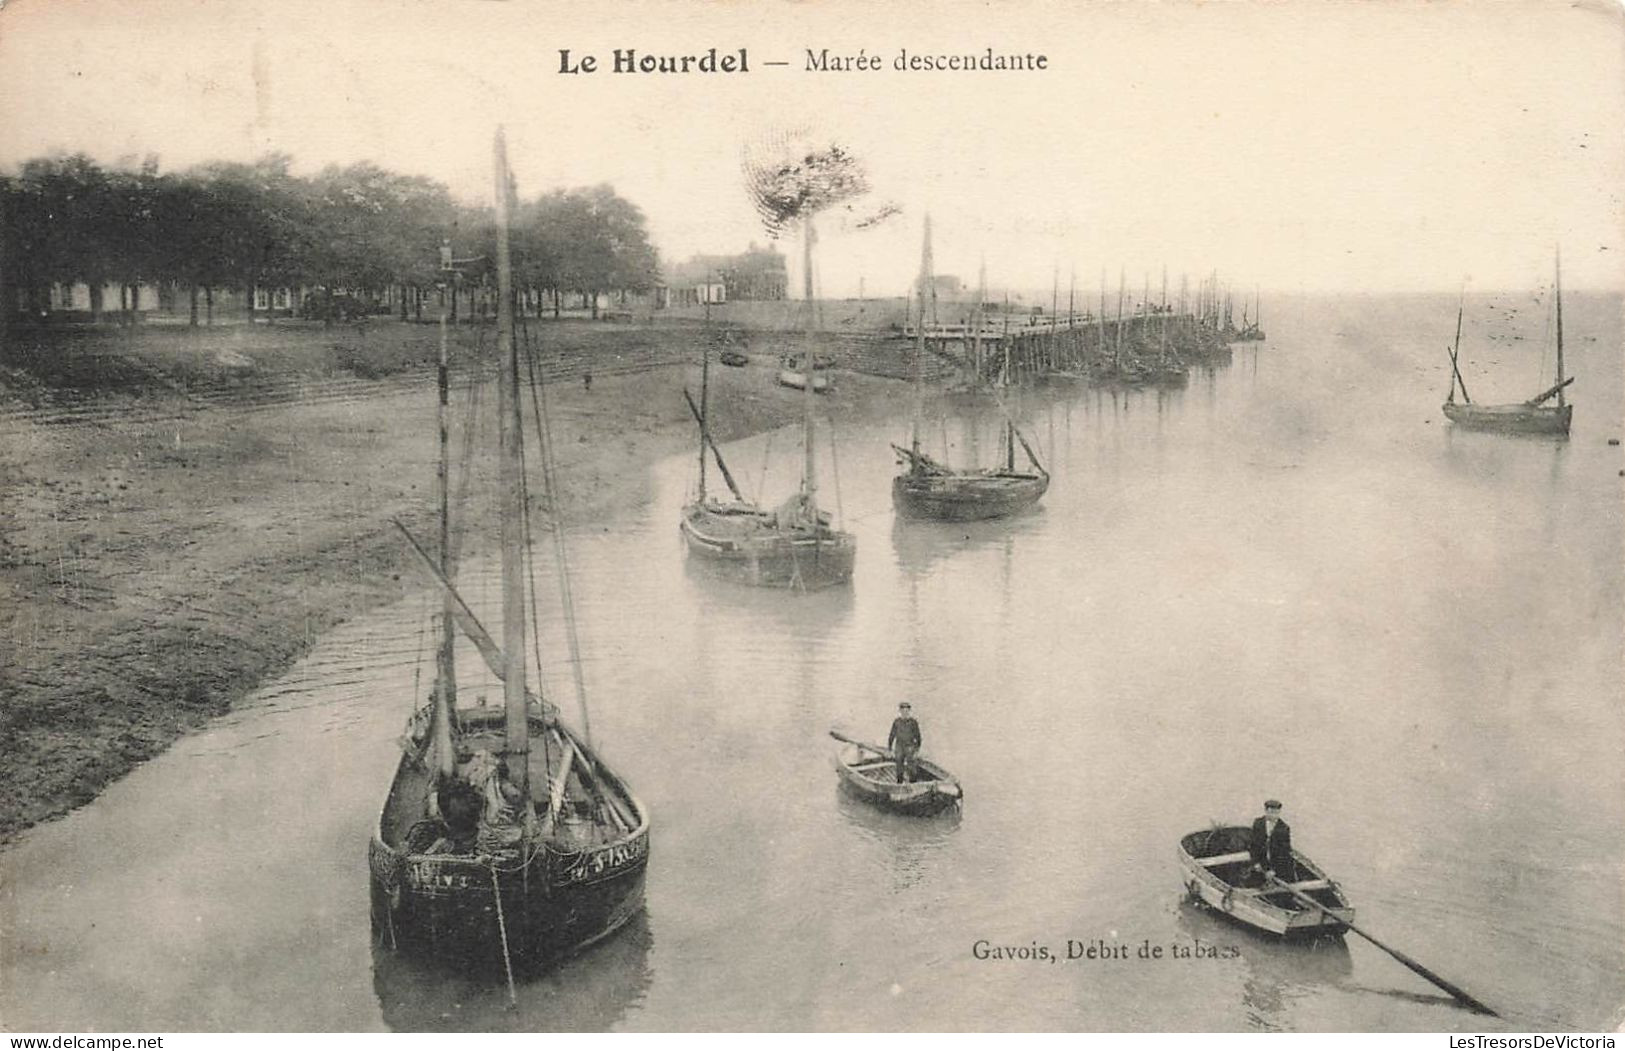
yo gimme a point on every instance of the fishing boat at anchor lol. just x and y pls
(929, 489)
(1217, 865)
(505, 839)
(1528, 417)
(794, 545)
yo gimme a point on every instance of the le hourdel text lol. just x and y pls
(631, 60)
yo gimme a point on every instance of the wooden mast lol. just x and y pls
(1560, 383)
(1054, 308)
(976, 315)
(1118, 353)
(1100, 319)
(705, 388)
(809, 470)
(1072, 315)
(517, 747)
(1004, 341)
(445, 691)
(1455, 355)
(919, 347)
(1163, 327)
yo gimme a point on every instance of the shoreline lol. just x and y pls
(167, 555)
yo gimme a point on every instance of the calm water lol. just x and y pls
(1289, 579)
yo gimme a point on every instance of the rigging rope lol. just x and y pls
(835, 470)
(767, 451)
(530, 569)
(1546, 343)
(550, 491)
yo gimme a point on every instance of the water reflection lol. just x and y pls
(919, 545)
(591, 993)
(1278, 972)
(908, 847)
(806, 613)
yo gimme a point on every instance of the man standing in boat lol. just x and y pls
(1271, 845)
(904, 741)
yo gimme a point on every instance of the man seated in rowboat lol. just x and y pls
(904, 741)
(1271, 847)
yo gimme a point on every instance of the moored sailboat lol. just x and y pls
(1527, 417)
(504, 838)
(929, 489)
(793, 373)
(794, 545)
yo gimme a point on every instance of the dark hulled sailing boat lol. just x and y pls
(928, 489)
(504, 839)
(1528, 417)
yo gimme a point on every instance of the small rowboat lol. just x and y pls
(870, 772)
(1217, 865)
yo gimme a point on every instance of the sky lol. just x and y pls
(1314, 146)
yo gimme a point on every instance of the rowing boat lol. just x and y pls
(870, 773)
(1218, 865)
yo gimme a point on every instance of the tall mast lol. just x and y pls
(705, 387)
(1072, 308)
(1560, 400)
(445, 698)
(1054, 309)
(1455, 354)
(1004, 339)
(1100, 320)
(919, 343)
(1163, 327)
(1119, 351)
(513, 500)
(809, 470)
(976, 340)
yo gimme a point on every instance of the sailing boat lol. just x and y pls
(1529, 417)
(793, 545)
(1252, 330)
(928, 489)
(504, 837)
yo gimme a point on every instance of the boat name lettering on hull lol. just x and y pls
(590, 866)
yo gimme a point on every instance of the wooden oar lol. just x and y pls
(887, 752)
(1454, 990)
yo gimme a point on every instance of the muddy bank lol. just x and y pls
(171, 545)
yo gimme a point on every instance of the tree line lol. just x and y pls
(250, 226)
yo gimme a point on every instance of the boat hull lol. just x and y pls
(554, 901)
(1222, 888)
(798, 380)
(966, 497)
(873, 780)
(447, 909)
(1511, 419)
(746, 546)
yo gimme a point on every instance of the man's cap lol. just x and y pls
(1272, 804)
(904, 704)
